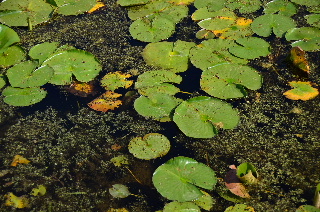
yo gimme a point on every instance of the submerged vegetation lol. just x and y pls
(213, 66)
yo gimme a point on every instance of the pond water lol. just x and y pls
(70, 146)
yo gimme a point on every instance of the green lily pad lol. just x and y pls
(240, 208)
(181, 177)
(205, 13)
(200, 117)
(210, 5)
(244, 6)
(250, 48)
(7, 37)
(266, 24)
(226, 81)
(2, 81)
(132, 2)
(158, 81)
(280, 7)
(151, 146)
(23, 96)
(307, 208)
(216, 23)
(83, 65)
(158, 106)
(12, 55)
(74, 7)
(307, 38)
(152, 30)
(212, 52)
(181, 207)
(205, 201)
(307, 2)
(24, 13)
(42, 51)
(168, 55)
(313, 19)
(26, 74)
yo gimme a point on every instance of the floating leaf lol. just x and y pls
(227, 80)
(132, 2)
(105, 102)
(151, 146)
(42, 51)
(247, 173)
(83, 65)
(181, 207)
(205, 34)
(266, 24)
(307, 208)
(15, 201)
(159, 81)
(233, 183)
(26, 74)
(7, 37)
(181, 2)
(158, 106)
(217, 22)
(281, 7)
(74, 7)
(40, 191)
(308, 38)
(244, 6)
(301, 90)
(307, 2)
(240, 208)
(299, 60)
(202, 116)
(12, 55)
(23, 96)
(250, 48)
(212, 52)
(205, 201)
(179, 179)
(313, 19)
(120, 160)
(97, 6)
(24, 13)
(115, 80)
(2, 81)
(119, 191)
(168, 55)
(210, 5)
(18, 159)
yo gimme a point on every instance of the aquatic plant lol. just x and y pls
(307, 38)
(313, 20)
(301, 91)
(114, 80)
(239, 208)
(247, 173)
(281, 7)
(150, 146)
(72, 7)
(181, 178)
(23, 96)
(119, 191)
(181, 206)
(307, 208)
(106, 101)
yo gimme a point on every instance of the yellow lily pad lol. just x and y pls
(301, 91)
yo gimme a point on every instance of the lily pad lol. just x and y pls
(226, 81)
(307, 2)
(181, 177)
(250, 48)
(23, 96)
(12, 55)
(42, 51)
(307, 208)
(181, 207)
(24, 13)
(168, 55)
(115, 80)
(201, 117)
(281, 7)
(212, 52)
(210, 5)
(158, 106)
(244, 6)
(240, 208)
(313, 19)
(301, 91)
(307, 38)
(74, 7)
(2, 81)
(266, 24)
(151, 146)
(132, 2)
(83, 65)
(26, 74)
(205, 201)
(7, 37)
(158, 81)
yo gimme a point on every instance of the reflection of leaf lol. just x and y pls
(105, 102)
(301, 90)
(115, 80)
(299, 60)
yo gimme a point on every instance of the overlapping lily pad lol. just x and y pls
(23, 96)
(307, 38)
(228, 80)
(281, 7)
(73, 7)
(11, 55)
(313, 20)
(202, 116)
(244, 6)
(181, 207)
(42, 51)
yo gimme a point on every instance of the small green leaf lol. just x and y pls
(151, 146)
(74, 7)
(244, 6)
(250, 48)
(179, 179)
(301, 91)
(181, 207)
(12, 55)
(205, 201)
(7, 37)
(42, 51)
(281, 7)
(247, 173)
(200, 117)
(23, 96)
(313, 19)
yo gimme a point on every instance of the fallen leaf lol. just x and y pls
(18, 159)
(105, 102)
(299, 59)
(233, 183)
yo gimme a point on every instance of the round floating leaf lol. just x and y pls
(200, 117)
(26, 74)
(42, 51)
(240, 208)
(301, 91)
(227, 80)
(307, 208)
(281, 7)
(250, 48)
(24, 13)
(213, 52)
(119, 191)
(265, 24)
(151, 146)
(152, 30)
(158, 81)
(209, 4)
(168, 55)
(76, 62)
(313, 19)
(181, 207)
(74, 7)
(7, 37)
(23, 96)
(179, 179)
(307, 2)
(308, 38)
(115, 80)
(158, 106)
(244, 6)
(11, 55)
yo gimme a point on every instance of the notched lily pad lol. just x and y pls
(281, 7)
(23, 96)
(42, 51)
